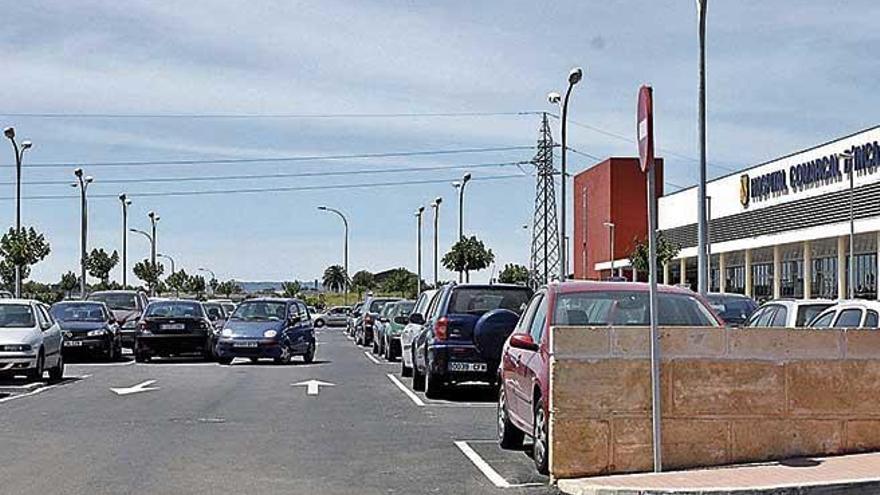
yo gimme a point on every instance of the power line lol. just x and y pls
(83, 115)
(206, 178)
(268, 189)
(221, 161)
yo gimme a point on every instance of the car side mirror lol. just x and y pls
(523, 341)
(417, 319)
(45, 326)
(383, 319)
(213, 317)
(294, 319)
(401, 320)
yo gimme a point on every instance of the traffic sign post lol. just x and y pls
(645, 131)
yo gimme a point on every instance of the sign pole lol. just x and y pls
(645, 132)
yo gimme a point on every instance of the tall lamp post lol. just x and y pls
(9, 132)
(154, 219)
(436, 206)
(702, 228)
(170, 260)
(611, 227)
(345, 224)
(83, 183)
(152, 250)
(574, 77)
(213, 277)
(418, 214)
(123, 199)
(848, 157)
(460, 185)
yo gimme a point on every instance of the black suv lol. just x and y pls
(463, 334)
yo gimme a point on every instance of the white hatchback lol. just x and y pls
(856, 313)
(30, 340)
(788, 313)
(411, 330)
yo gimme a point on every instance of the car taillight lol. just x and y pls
(142, 325)
(441, 327)
(368, 320)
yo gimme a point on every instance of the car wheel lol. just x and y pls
(309, 356)
(433, 384)
(226, 361)
(539, 434)
(37, 372)
(405, 371)
(56, 374)
(319, 323)
(509, 436)
(140, 356)
(418, 378)
(375, 346)
(387, 352)
(285, 357)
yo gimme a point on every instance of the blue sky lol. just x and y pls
(780, 79)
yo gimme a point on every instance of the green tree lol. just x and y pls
(363, 281)
(228, 288)
(7, 274)
(666, 252)
(514, 274)
(291, 289)
(177, 281)
(466, 255)
(335, 278)
(195, 285)
(69, 281)
(99, 264)
(149, 274)
(402, 281)
(213, 283)
(24, 249)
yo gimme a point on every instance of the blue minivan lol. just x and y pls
(271, 328)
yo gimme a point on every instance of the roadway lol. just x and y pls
(189, 427)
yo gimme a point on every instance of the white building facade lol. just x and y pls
(782, 228)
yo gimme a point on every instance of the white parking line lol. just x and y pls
(409, 393)
(42, 389)
(486, 469)
(372, 358)
(120, 363)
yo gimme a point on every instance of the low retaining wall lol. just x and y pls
(728, 396)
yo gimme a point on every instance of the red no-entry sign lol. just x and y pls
(646, 128)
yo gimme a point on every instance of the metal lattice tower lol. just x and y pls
(545, 227)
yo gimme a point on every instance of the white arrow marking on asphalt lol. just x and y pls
(312, 386)
(134, 389)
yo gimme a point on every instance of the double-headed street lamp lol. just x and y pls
(154, 219)
(171, 260)
(345, 254)
(83, 183)
(459, 185)
(152, 250)
(123, 199)
(436, 206)
(574, 77)
(9, 132)
(418, 215)
(213, 277)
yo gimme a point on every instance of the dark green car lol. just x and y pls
(395, 318)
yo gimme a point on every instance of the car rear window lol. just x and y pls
(628, 308)
(175, 309)
(379, 304)
(807, 312)
(116, 300)
(481, 300)
(16, 316)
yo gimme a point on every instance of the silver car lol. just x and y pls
(337, 316)
(30, 340)
(412, 329)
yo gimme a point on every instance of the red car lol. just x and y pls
(524, 370)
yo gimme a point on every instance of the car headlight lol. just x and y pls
(16, 348)
(96, 333)
(270, 334)
(227, 332)
(129, 325)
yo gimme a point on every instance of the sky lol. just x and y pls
(97, 83)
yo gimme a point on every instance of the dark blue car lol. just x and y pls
(267, 328)
(88, 328)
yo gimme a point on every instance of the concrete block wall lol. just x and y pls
(728, 396)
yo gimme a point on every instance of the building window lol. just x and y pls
(824, 283)
(714, 282)
(791, 279)
(736, 279)
(762, 281)
(865, 278)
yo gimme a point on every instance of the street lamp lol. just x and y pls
(83, 183)
(574, 77)
(611, 227)
(9, 132)
(154, 218)
(213, 277)
(125, 202)
(702, 227)
(460, 185)
(436, 206)
(152, 250)
(171, 260)
(418, 215)
(848, 156)
(345, 224)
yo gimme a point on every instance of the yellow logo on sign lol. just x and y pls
(744, 190)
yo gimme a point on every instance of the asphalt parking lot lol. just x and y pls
(185, 426)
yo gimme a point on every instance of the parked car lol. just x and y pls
(524, 371)
(788, 313)
(463, 334)
(337, 316)
(396, 318)
(173, 328)
(127, 307)
(89, 329)
(268, 328)
(734, 309)
(30, 340)
(228, 305)
(409, 332)
(373, 306)
(856, 313)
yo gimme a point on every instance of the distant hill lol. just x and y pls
(252, 287)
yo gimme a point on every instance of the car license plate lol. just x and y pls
(458, 366)
(172, 326)
(72, 343)
(244, 344)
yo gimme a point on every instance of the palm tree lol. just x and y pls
(335, 278)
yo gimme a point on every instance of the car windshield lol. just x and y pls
(478, 300)
(630, 308)
(806, 312)
(116, 300)
(259, 311)
(175, 309)
(735, 309)
(78, 312)
(404, 308)
(377, 305)
(16, 316)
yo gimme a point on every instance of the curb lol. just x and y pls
(872, 487)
